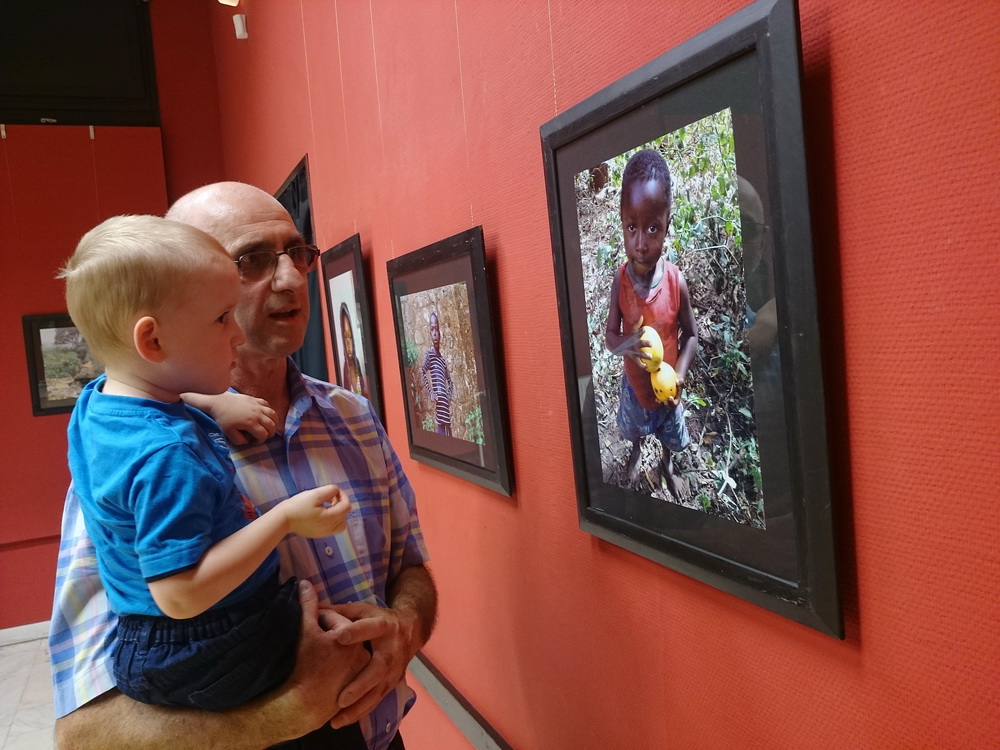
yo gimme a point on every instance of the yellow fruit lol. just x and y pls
(664, 382)
(654, 350)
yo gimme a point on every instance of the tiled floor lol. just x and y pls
(26, 716)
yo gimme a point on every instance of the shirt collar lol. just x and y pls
(303, 391)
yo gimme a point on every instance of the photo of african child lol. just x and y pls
(442, 378)
(350, 352)
(663, 256)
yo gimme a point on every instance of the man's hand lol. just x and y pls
(395, 639)
(323, 662)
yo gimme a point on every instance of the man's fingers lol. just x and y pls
(309, 602)
(360, 631)
(363, 707)
(370, 677)
(330, 619)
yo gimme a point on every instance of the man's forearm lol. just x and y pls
(413, 591)
(306, 700)
(116, 721)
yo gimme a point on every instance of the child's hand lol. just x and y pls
(631, 345)
(316, 513)
(244, 419)
(675, 400)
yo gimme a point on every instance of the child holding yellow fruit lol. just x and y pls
(650, 320)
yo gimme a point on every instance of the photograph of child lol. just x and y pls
(437, 379)
(442, 375)
(662, 255)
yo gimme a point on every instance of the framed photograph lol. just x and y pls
(351, 321)
(59, 362)
(456, 406)
(679, 213)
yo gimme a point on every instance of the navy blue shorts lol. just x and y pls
(220, 659)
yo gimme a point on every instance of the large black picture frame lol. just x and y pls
(293, 194)
(744, 73)
(449, 280)
(347, 299)
(59, 362)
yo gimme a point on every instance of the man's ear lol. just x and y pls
(145, 336)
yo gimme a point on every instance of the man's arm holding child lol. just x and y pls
(303, 703)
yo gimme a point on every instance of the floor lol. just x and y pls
(26, 716)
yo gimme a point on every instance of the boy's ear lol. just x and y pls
(145, 336)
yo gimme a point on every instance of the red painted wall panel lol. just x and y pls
(427, 726)
(422, 119)
(129, 171)
(188, 94)
(58, 183)
(425, 120)
(26, 574)
(51, 174)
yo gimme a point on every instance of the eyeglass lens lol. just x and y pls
(259, 263)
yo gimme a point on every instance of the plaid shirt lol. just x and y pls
(331, 436)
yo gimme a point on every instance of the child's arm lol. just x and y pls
(242, 418)
(687, 336)
(229, 562)
(423, 377)
(619, 343)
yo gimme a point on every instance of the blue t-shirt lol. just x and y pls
(156, 487)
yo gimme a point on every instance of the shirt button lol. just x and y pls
(388, 727)
(329, 551)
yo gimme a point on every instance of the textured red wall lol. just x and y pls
(421, 119)
(58, 183)
(55, 184)
(188, 95)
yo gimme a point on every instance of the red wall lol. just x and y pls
(56, 182)
(188, 94)
(421, 119)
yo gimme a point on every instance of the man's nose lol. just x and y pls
(286, 275)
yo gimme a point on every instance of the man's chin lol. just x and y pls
(276, 346)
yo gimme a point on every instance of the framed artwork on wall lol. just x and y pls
(294, 196)
(453, 386)
(349, 312)
(678, 200)
(59, 362)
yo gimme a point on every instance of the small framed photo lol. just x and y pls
(351, 323)
(59, 362)
(679, 211)
(456, 407)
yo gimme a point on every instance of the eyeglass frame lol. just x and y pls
(274, 267)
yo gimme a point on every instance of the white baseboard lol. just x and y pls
(22, 633)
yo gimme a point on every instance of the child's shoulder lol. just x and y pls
(672, 270)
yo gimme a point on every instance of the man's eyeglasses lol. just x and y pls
(258, 265)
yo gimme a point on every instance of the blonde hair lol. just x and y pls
(127, 267)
